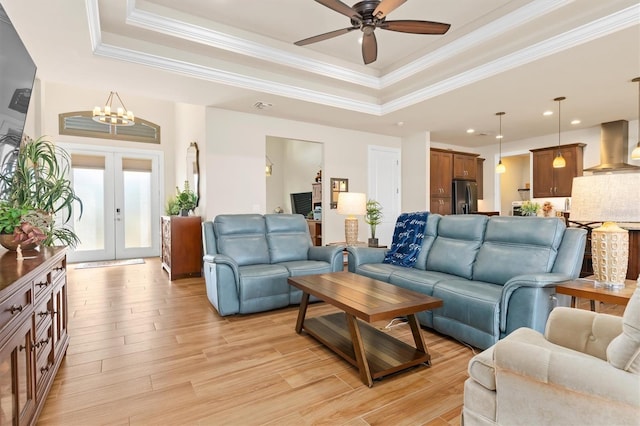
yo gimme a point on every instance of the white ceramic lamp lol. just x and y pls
(351, 204)
(607, 199)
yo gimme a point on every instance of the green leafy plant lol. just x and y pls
(10, 217)
(186, 199)
(373, 216)
(530, 208)
(172, 208)
(40, 188)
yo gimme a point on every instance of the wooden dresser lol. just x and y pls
(33, 330)
(182, 246)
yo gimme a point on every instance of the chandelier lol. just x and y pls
(119, 116)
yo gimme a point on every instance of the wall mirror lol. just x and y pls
(193, 170)
(338, 185)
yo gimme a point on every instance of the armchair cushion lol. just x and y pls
(624, 351)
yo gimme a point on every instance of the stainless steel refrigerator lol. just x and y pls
(465, 197)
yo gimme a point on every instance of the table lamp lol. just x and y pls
(351, 204)
(607, 199)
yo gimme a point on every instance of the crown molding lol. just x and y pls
(601, 27)
(197, 34)
(236, 80)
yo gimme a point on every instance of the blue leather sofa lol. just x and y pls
(248, 258)
(494, 274)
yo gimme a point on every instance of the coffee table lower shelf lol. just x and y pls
(384, 354)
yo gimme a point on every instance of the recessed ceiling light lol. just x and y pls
(400, 123)
(547, 113)
(471, 130)
(576, 121)
(262, 105)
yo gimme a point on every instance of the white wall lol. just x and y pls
(235, 160)
(189, 127)
(415, 172)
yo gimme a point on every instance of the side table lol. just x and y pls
(588, 289)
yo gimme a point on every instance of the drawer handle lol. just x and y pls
(44, 369)
(44, 313)
(15, 308)
(42, 342)
(42, 284)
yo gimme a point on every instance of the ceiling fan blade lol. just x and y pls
(415, 27)
(324, 36)
(369, 47)
(340, 7)
(386, 7)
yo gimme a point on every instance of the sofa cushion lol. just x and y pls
(624, 351)
(263, 287)
(430, 234)
(287, 237)
(524, 245)
(242, 238)
(455, 248)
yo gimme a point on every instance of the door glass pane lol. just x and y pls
(89, 186)
(137, 208)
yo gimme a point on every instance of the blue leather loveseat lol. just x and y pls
(248, 258)
(494, 274)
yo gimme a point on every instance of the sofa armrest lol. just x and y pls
(330, 254)
(361, 255)
(553, 367)
(528, 280)
(583, 331)
(221, 259)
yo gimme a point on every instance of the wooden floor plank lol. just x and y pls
(148, 351)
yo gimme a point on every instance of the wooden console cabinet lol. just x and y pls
(33, 330)
(182, 246)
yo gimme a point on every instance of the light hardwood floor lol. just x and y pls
(145, 350)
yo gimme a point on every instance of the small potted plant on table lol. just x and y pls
(373, 217)
(186, 200)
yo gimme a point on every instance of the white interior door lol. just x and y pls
(384, 187)
(121, 204)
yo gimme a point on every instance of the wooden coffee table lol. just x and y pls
(372, 351)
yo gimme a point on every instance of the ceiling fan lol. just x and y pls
(371, 14)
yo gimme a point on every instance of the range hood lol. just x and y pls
(614, 147)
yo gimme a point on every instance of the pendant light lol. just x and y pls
(635, 154)
(500, 168)
(559, 162)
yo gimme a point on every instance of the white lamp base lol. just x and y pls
(351, 231)
(610, 254)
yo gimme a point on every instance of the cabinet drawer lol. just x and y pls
(42, 315)
(41, 284)
(44, 354)
(16, 308)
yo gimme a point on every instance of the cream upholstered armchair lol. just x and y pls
(584, 370)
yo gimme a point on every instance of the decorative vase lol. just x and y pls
(373, 242)
(6, 241)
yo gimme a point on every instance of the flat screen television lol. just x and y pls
(301, 203)
(17, 74)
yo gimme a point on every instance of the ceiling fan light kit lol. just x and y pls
(371, 14)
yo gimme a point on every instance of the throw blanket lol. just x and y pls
(407, 239)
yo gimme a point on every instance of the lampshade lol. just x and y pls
(606, 199)
(352, 203)
(559, 161)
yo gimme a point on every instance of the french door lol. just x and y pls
(120, 194)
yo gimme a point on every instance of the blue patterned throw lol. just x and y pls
(407, 239)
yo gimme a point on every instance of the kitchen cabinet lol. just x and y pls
(33, 330)
(182, 246)
(441, 172)
(480, 177)
(445, 166)
(551, 182)
(464, 166)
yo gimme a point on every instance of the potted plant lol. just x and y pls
(373, 217)
(530, 208)
(40, 190)
(186, 200)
